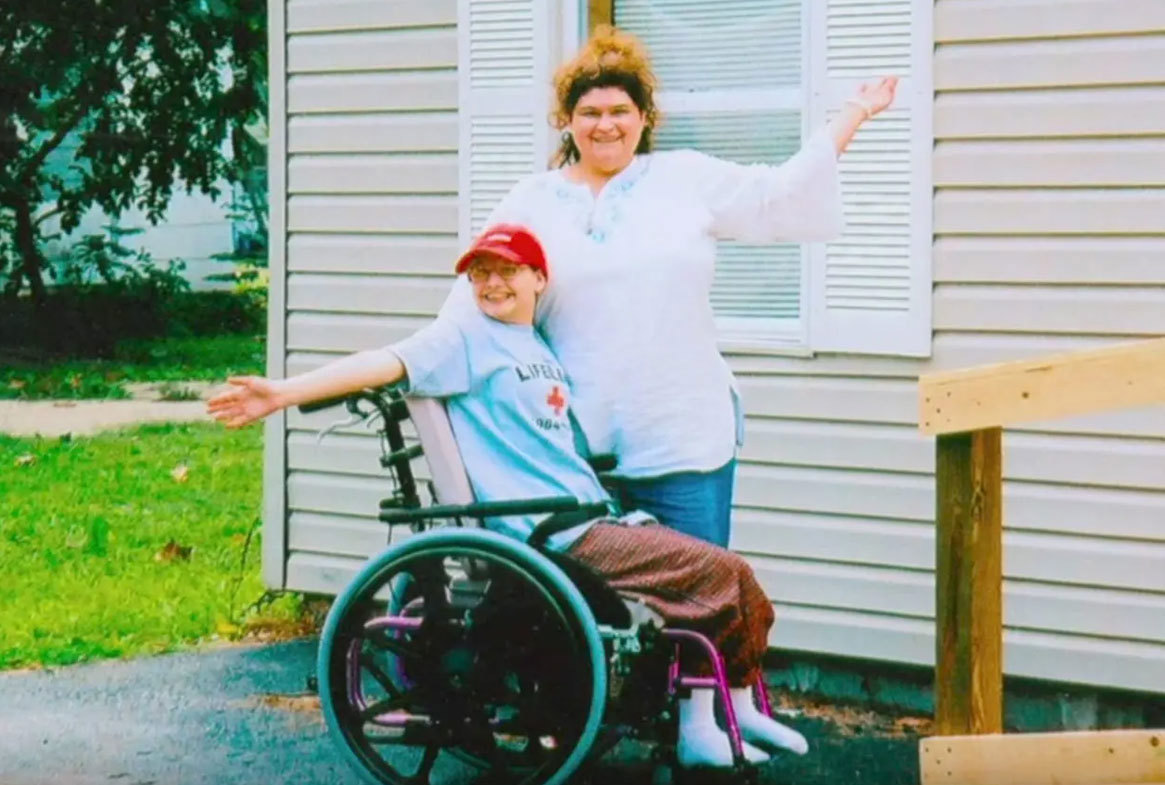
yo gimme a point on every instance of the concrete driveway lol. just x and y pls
(238, 715)
(83, 418)
(186, 719)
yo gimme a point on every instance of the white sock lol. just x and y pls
(763, 730)
(701, 742)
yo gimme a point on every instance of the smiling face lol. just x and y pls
(606, 126)
(503, 290)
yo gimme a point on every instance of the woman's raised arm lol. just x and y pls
(798, 200)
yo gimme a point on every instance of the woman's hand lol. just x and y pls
(872, 98)
(876, 96)
(248, 398)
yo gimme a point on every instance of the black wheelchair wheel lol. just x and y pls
(492, 657)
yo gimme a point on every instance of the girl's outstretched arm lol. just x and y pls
(250, 398)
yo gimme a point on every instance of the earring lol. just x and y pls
(567, 138)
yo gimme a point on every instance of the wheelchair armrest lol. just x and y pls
(551, 504)
(561, 521)
(324, 403)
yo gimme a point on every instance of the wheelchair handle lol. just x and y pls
(390, 405)
(391, 408)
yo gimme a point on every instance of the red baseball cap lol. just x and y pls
(511, 242)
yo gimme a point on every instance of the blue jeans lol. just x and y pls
(695, 503)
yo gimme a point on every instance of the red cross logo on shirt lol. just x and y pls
(556, 400)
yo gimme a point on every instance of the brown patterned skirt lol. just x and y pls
(692, 584)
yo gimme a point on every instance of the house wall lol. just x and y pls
(371, 214)
(1049, 219)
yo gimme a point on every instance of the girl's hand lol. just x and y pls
(876, 96)
(249, 398)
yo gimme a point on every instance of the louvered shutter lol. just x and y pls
(730, 75)
(870, 292)
(505, 51)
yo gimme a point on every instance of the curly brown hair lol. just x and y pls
(610, 58)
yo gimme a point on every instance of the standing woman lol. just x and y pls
(631, 237)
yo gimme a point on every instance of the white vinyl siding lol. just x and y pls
(1049, 222)
(371, 231)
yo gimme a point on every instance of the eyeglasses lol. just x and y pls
(481, 274)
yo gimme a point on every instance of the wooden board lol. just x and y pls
(599, 12)
(969, 583)
(1077, 758)
(1130, 374)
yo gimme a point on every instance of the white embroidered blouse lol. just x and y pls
(627, 308)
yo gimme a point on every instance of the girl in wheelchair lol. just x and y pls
(508, 403)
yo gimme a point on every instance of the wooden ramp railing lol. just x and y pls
(967, 410)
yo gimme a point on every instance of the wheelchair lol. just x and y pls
(512, 659)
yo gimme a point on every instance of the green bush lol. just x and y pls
(216, 313)
(90, 321)
(107, 293)
(210, 358)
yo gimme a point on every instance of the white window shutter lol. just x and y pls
(870, 292)
(505, 50)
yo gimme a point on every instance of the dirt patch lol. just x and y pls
(302, 704)
(855, 721)
(271, 630)
(300, 710)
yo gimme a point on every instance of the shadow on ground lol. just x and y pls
(238, 715)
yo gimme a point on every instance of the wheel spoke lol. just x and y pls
(426, 767)
(419, 735)
(392, 703)
(380, 676)
(384, 641)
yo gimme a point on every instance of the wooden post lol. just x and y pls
(969, 583)
(599, 12)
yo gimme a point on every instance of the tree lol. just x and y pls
(147, 93)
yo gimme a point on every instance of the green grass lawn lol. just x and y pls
(129, 542)
(210, 358)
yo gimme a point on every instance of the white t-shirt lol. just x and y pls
(627, 309)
